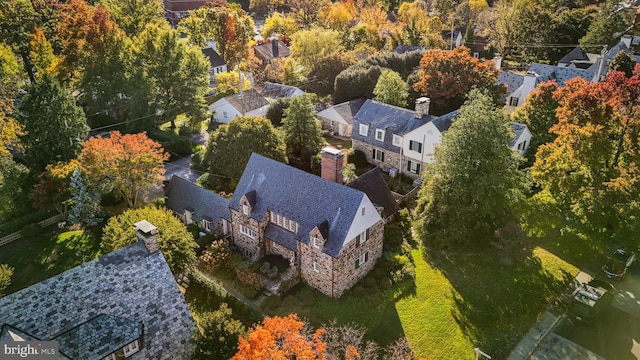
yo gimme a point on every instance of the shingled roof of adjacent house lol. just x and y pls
(215, 60)
(576, 54)
(345, 111)
(372, 183)
(100, 306)
(393, 119)
(559, 74)
(275, 91)
(247, 101)
(304, 198)
(264, 51)
(512, 80)
(184, 195)
(518, 129)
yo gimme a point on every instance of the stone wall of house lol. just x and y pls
(253, 246)
(272, 248)
(322, 277)
(345, 272)
(391, 159)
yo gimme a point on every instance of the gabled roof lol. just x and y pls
(249, 100)
(184, 195)
(393, 119)
(214, 58)
(304, 198)
(559, 74)
(512, 80)
(345, 111)
(265, 51)
(518, 129)
(274, 91)
(372, 183)
(130, 288)
(576, 54)
(442, 123)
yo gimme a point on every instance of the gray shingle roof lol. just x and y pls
(559, 74)
(512, 80)
(443, 123)
(346, 110)
(372, 183)
(304, 198)
(183, 194)
(265, 51)
(393, 119)
(576, 54)
(128, 283)
(518, 129)
(214, 58)
(248, 101)
(275, 91)
(401, 49)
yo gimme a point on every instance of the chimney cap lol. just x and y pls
(330, 150)
(145, 226)
(422, 100)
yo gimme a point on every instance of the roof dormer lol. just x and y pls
(248, 202)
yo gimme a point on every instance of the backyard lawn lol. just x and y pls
(47, 254)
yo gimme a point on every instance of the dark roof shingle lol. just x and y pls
(184, 195)
(372, 183)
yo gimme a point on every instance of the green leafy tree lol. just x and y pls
(12, 177)
(175, 77)
(133, 15)
(325, 72)
(10, 75)
(18, 20)
(41, 53)
(623, 62)
(176, 243)
(606, 27)
(308, 47)
(539, 114)
(391, 89)
(85, 208)
(231, 145)
(53, 124)
(356, 83)
(276, 110)
(302, 132)
(473, 185)
(53, 189)
(6, 272)
(218, 333)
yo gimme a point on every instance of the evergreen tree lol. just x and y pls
(302, 132)
(85, 202)
(471, 188)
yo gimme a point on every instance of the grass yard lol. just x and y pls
(48, 254)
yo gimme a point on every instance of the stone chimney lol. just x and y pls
(274, 48)
(497, 61)
(148, 234)
(332, 164)
(422, 107)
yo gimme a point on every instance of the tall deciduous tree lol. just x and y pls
(218, 335)
(302, 132)
(175, 78)
(281, 338)
(127, 164)
(623, 62)
(447, 76)
(85, 202)
(278, 24)
(306, 11)
(606, 27)
(231, 145)
(391, 89)
(10, 75)
(53, 189)
(12, 176)
(41, 52)
(133, 15)
(176, 243)
(590, 170)
(539, 114)
(6, 272)
(54, 126)
(18, 20)
(308, 47)
(325, 72)
(471, 188)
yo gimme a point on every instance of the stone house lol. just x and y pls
(332, 233)
(338, 119)
(125, 304)
(196, 205)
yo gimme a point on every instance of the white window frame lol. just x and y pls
(245, 209)
(246, 231)
(362, 237)
(316, 268)
(415, 146)
(131, 349)
(513, 101)
(283, 222)
(206, 224)
(363, 130)
(397, 140)
(379, 155)
(362, 259)
(110, 357)
(414, 166)
(380, 134)
(315, 242)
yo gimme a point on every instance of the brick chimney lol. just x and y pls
(274, 48)
(332, 164)
(422, 107)
(148, 234)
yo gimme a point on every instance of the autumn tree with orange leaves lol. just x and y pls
(590, 173)
(447, 77)
(281, 338)
(128, 164)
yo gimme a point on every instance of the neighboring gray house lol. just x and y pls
(338, 119)
(125, 304)
(271, 49)
(193, 204)
(372, 183)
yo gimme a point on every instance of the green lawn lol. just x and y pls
(50, 253)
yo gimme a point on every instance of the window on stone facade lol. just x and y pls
(397, 140)
(247, 232)
(245, 209)
(316, 267)
(363, 130)
(413, 166)
(362, 259)
(131, 349)
(110, 357)
(316, 242)
(378, 155)
(362, 237)
(379, 134)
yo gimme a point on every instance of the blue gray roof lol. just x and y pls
(518, 129)
(275, 91)
(304, 198)
(184, 195)
(512, 80)
(372, 183)
(401, 49)
(346, 110)
(214, 58)
(443, 123)
(559, 74)
(576, 54)
(393, 119)
(128, 286)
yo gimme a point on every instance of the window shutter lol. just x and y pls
(382, 156)
(410, 144)
(367, 234)
(420, 148)
(374, 154)
(357, 263)
(357, 240)
(417, 168)
(408, 165)
(366, 256)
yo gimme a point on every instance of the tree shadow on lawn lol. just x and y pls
(495, 303)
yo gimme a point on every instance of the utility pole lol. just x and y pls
(601, 67)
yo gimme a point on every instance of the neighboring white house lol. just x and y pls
(521, 138)
(338, 119)
(247, 103)
(274, 91)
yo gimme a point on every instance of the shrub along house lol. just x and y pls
(125, 304)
